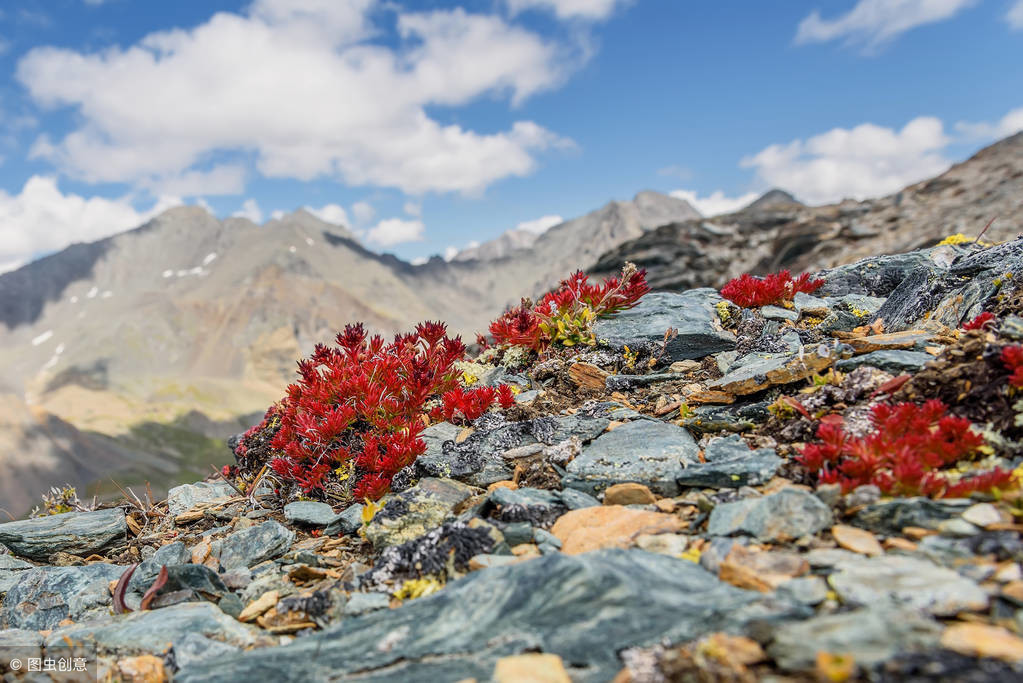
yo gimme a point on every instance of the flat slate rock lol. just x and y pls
(891, 516)
(650, 453)
(783, 516)
(868, 636)
(691, 313)
(538, 507)
(895, 362)
(584, 608)
(906, 582)
(415, 511)
(249, 547)
(183, 498)
(152, 631)
(309, 513)
(10, 570)
(78, 533)
(731, 463)
(168, 555)
(45, 596)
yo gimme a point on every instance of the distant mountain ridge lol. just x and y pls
(188, 313)
(774, 232)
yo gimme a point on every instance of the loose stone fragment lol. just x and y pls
(856, 540)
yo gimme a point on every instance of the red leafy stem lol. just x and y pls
(161, 581)
(903, 455)
(1012, 357)
(521, 326)
(121, 588)
(361, 406)
(980, 322)
(751, 292)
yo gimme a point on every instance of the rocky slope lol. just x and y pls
(126, 337)
(645, 512)
(773, 233)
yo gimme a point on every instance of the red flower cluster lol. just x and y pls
(752, 292)
(573, 304)
(904, 453)
(359, 408)
(1012, 357)
(460, 405)
(980, 322)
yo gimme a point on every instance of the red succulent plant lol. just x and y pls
(565, 314)
(904, 454)
(749, 291)
(1012, 357)
(357, 410)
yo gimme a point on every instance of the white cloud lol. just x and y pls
(873, 23)
(278, 214)
(419, 260)
(219, 180)
(591, 10)
(716, 203)
(1008, 125)
(330, 213)
(450, 253)
(413, 209)
(865, 161)
(42, 219)
(302, 86)
(540, 225)
(1015, 16)
(393, 231)
(363, 212)
(250, 209)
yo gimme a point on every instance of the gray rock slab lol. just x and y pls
(731, 463)
(778, 313)
(891, 516)
(153, 631)
(193, 648)
(309, 513)
(348, 522)
(895, 362)
(183, 498)
(649, 453)
(249, 547)
(78, 533)
(906, 582)
(869, 636)
(361, 603)
(412, 513)
(10, 571)
(584, 608)
(45, 596)
(739, 417)
(783, 516)
(691, 313)
(168, 555)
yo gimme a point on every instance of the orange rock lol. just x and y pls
(628, 494)
(142, 669)
(834, 667)
(526, 550)
(897, 543)
(531, 668)
(587, 375)
(506, 484)
(608, 526)
(1014, 591)
(981, 640)
(760, 571)
(916, 532)
(666, 505)
(856, 539)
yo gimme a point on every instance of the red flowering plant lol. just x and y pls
(566, 315)
(354, 417)
(749, 291)
(980, 322)
(904, 454)
(1012, 358)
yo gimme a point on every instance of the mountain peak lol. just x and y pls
(772, 199)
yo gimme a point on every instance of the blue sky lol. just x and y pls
(425, 126)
